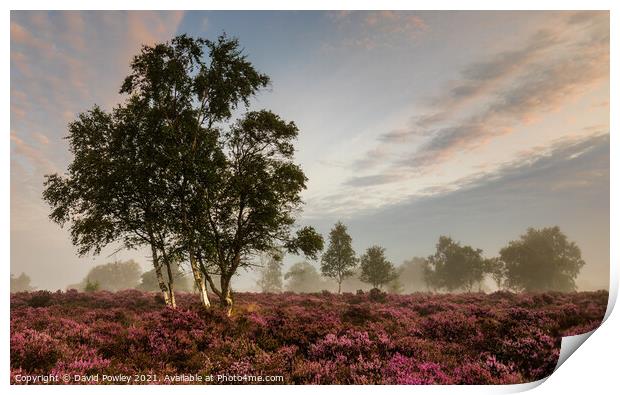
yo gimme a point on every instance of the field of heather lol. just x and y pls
(305, 339)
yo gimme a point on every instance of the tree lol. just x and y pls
(395, 286)
(167, 169)
(376, 269)
(303, 277)
(251, 208)
(411, 275)
(339, 261)
(112, 192)
(454, 266)
(91, 286)
(542, 260)
(21, 283)
(190, 99)
(271, 274)
(497, 269)
(113, 276)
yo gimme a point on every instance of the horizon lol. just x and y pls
(489, 122)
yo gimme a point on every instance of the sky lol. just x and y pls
(413, 125)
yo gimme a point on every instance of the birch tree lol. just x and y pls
(339, 261)
(170, 169)
(376, 269)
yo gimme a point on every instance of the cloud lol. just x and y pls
(479, 78)
(533, 85)
(377, 179)
(373, 29)
(543, 88)
(566, 164)
(372, 158)
(21, 35)
(61, 64)
(41, 138)
(33, 156)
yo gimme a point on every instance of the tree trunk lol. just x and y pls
(173, 302)
(339, 286)
(200, 284)
(225, 298)
(166, 262)
(160, 276)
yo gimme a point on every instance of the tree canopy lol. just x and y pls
(170, 169)
(454, 266)
(303, 277)
(21, 283)
(542, 260)
(376, 269)
(339, 260)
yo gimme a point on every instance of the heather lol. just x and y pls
(363, 338)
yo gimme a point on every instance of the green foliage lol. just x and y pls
(169, 169)
(307, 241)
(542, 260)
(339, 260)
(376, 269)
(21, 283)
(303, 277)
(271, 274)
(454, 266)
(91, 286)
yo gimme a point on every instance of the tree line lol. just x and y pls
(453, 267)
(540, 260)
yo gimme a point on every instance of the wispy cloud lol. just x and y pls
(565, 165)
(60, 61)
(517, 86)
(372, 29)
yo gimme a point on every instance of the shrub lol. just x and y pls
(502, 338)
(40, 299)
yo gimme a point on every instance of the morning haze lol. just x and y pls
(412, 125)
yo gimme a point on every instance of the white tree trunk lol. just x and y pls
(200, 283)
(160, 276)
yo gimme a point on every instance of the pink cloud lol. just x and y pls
(35, 157)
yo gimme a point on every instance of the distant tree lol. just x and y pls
(376, 269)
(114, 276)
(183, 281)
(339, 260)
(271, 274)
(496, 268)
(542, 260)
(454, 267)
(411, 275)
(395, 286)
(303, 277)
(21, 283)
(91, 286)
